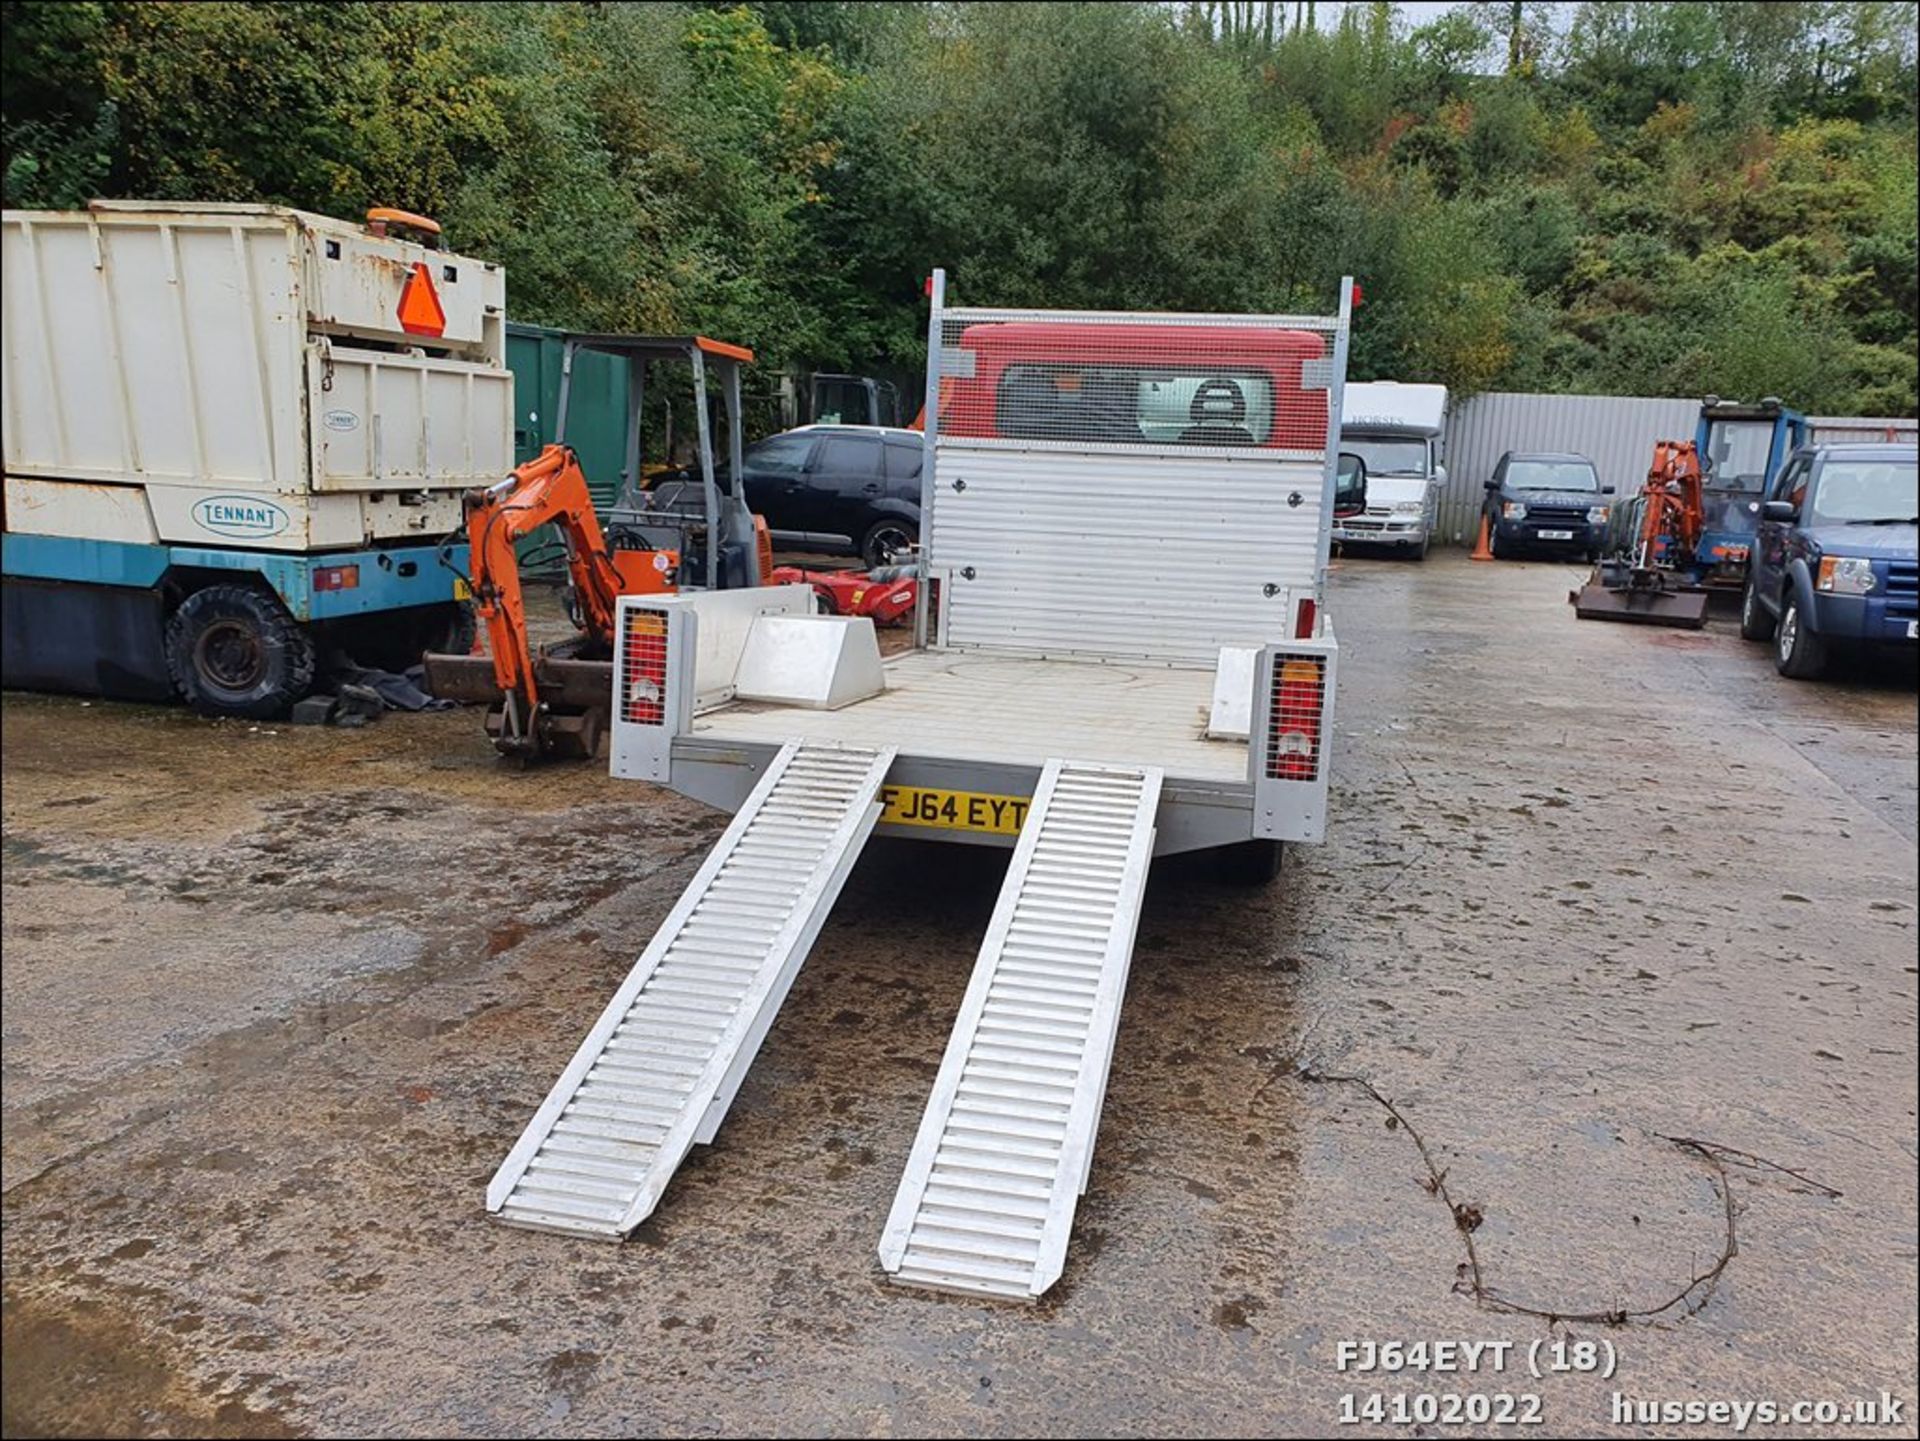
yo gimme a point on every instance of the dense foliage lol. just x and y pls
(1651, 199)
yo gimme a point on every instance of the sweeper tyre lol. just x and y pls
(233, 650)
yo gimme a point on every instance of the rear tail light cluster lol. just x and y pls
(643, 669)
(1294, 717)
(337, 577)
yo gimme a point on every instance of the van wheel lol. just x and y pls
(233, 650)
(1755, 623)
(1797, 652)
(1249, 863)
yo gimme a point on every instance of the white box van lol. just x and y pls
(1399, 430)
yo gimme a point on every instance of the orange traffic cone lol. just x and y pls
(1481, 549)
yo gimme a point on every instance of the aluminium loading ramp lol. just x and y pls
(1003, 1152)
(659, 1070)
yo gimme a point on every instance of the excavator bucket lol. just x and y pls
(575, 695)
(1639, 598)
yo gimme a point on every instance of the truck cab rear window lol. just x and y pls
(1134, 405)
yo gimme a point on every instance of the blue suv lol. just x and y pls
(1551, 502)
(1835, 560)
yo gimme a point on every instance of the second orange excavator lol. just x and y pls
(1645, 584)
(554, 699)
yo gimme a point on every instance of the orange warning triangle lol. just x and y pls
(420, 312)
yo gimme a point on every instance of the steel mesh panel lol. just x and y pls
(1295, 708)
(1214, 384)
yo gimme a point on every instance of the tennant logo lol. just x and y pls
(239, 515)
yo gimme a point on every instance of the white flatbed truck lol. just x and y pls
(1122, 652)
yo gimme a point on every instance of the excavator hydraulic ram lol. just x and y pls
(544, 700)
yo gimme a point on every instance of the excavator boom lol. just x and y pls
(554, 699)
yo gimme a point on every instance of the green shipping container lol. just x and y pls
(597, 410)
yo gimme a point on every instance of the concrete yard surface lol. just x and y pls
(277, 1001)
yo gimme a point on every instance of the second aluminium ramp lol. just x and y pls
(659, 1069)
(1003, 1151)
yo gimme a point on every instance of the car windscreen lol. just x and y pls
(1865, 491)
(1387, 457)
(1134, 404)
(1551, 475)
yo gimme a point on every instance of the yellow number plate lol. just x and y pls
(953, 810)
(461, 590)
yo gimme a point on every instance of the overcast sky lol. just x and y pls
(1413, 13)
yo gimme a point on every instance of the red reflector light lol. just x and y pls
(1293, 722)
(643, 677)
(337, 577)
(1303, 627)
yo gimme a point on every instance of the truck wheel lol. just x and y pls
(883, 538)
(445, 629)
(395, 640)
(1249, 863)
(233, 650)
(1797, 652)
(461, 629)
(1755, 623)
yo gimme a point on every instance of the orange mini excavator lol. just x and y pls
(695, 533)
(1646, 583)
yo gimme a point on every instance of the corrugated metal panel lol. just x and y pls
(1615, 432)
(1174, 560)
(1862, 429)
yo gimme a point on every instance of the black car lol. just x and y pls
(1837, 556)
(1546, 502)
(852, 489)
